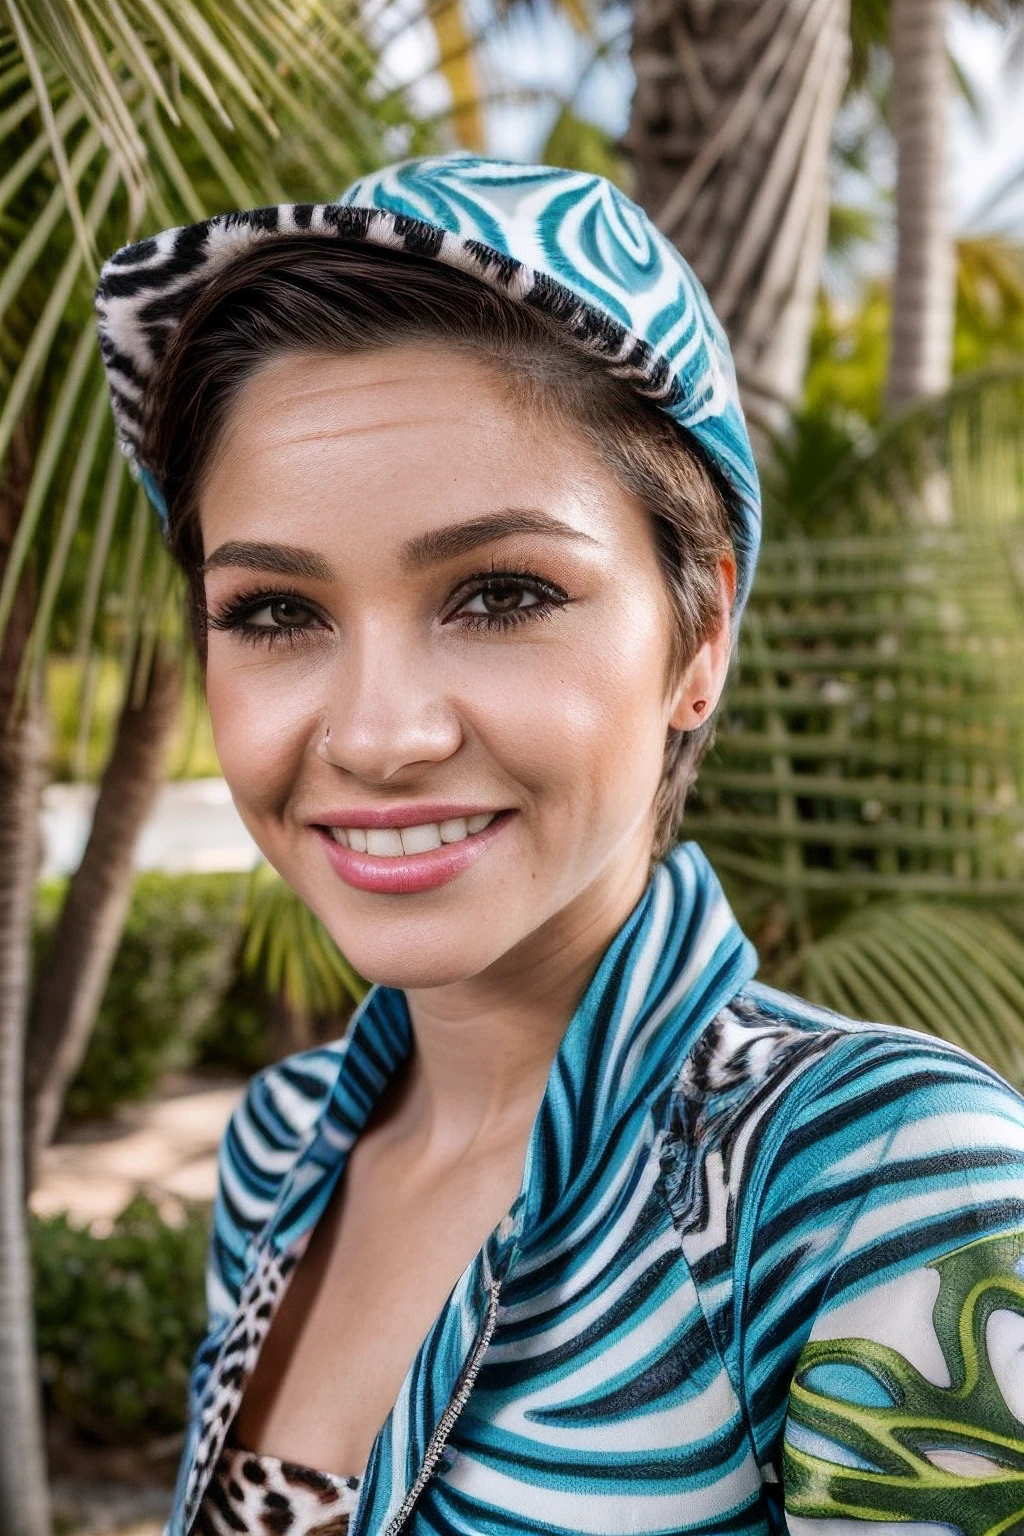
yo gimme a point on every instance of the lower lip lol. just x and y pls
(414, 871)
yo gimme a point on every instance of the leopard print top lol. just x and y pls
(256, 1495)
(261, 1496)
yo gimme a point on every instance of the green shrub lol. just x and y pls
(237, 1036)
(118, 1319)
(194, 982)
(175, 962)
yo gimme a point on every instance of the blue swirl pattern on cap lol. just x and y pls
(565, 242)
(582, 233)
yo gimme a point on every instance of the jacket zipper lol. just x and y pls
(446, 1423)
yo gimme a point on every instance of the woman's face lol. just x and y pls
(429, 612)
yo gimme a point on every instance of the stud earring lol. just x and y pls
(699, 706)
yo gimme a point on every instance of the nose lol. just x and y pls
(386, 708)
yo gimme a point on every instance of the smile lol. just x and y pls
(402, 860)
(393, 842)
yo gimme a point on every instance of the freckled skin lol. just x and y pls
(562, 719)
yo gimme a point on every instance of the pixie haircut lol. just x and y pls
(305, 296)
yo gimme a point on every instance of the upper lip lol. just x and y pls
(401, 815)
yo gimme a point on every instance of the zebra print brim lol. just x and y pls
(145, 289)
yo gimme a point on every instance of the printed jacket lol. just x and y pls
(765, 1271)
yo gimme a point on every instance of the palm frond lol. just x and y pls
(34, 66)
(292, 953)
(971, 431)
(952, 971)
(873, 739)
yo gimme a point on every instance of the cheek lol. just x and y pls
(262, 717)
(582, 724)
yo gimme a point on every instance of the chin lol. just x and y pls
(434, 939)
(414, 954)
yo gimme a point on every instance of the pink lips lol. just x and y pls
(412, 872)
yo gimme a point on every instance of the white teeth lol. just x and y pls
(384, 840)
(454, 831)
(421, 839)
(392, 842)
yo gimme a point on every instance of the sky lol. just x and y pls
(985, 152)
(538, 56)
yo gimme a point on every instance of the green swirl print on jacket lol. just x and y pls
(930, 1431)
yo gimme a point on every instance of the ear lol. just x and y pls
(700, 688)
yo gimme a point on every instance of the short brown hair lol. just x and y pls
(303, 295)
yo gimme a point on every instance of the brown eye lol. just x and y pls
(280, 613)
(503, 596)
(508, 597)
(500, 596)
(287, 614)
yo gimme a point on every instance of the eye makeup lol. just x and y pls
(271, 615)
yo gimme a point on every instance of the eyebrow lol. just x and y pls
(278, 559)
(430, 548)
(457, 538)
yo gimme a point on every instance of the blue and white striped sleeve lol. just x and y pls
(884, 1306)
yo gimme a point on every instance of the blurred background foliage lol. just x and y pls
(865, 799)
(118, 1317)
(219, 972)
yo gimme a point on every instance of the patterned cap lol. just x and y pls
(567, 243)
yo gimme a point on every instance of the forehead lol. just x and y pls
(302, 397)
(381, 445)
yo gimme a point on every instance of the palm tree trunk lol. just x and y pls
(71, 985)
(923, 289)
(24, 1506)
(729, 137)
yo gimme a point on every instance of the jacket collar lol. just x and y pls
(678, 958)
(675, 962)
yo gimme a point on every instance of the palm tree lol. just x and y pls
(22, 1483)
(921, 356)
(924, 281)
(68, 992)
(114, 120)
(729, 138)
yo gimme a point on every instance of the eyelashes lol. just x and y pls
(241, 614)
(275, 617)
(499, 587)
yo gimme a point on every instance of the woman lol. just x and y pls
(579, 1229)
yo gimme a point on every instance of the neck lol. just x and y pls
(483, 1048)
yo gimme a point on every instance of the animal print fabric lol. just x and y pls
(249, 1493)
(253, 1495)
(257, 1304)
